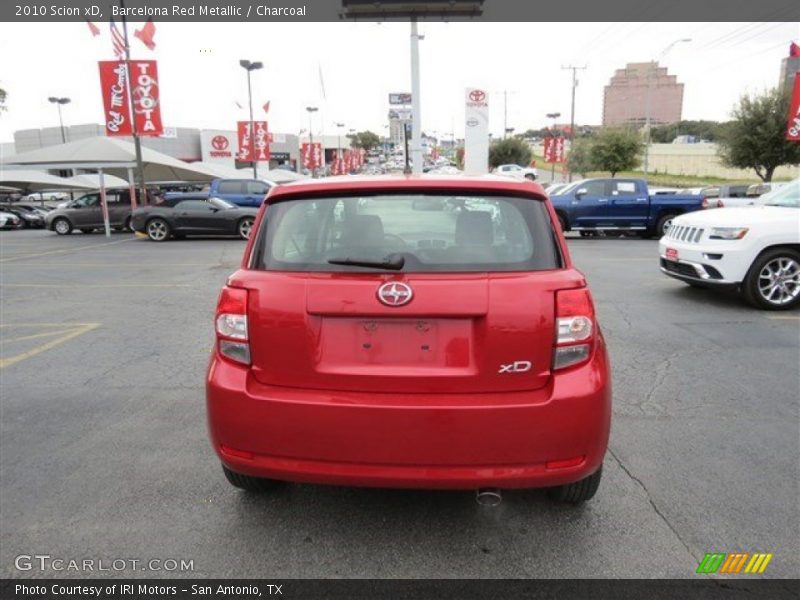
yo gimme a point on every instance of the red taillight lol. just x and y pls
(720, 204)
(231, 325)
(704, 203)
(575, 327)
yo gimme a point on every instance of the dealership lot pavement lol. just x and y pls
(104, 455)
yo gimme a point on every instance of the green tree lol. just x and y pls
(3, 96)
(756, 137)
(510, 151)
(615, 150)
(364, 139)
(579, 159)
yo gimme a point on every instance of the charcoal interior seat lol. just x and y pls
(474, 238)
(364, 231)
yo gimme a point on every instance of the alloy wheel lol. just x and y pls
(245, 228)
(157, 230)
(779, 280)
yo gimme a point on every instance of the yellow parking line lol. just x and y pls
(784, 317)
(94, 285)
(63, 251)
(38, 335)
(12, 360)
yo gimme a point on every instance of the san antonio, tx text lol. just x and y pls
(206, 10)
(124, 589)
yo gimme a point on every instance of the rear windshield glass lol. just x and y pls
(426, 233)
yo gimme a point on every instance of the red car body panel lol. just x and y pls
(345, 390)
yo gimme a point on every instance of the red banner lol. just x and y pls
(116, 112)
(255, 147)
(311, 155)
(793, 127)
(554, 150)
(146, 106)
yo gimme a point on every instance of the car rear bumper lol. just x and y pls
(546, 437)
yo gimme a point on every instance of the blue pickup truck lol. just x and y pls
(244, 192)
(615, 205)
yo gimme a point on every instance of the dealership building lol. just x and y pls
(188, 144)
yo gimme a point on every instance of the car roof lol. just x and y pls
(395, 183)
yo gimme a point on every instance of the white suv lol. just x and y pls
(517, 172)
(755, 249)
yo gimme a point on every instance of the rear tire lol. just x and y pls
(760, 287)
(663, 225)
(62, 226)
(563, 222)
(248, 483)
(530, 177)
(245, 227)
(158, 230)
(578, 492)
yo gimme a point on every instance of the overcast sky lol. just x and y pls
(361, 63)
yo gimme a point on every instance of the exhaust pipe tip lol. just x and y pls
(488, 497)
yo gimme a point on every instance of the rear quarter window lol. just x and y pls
(433, 233)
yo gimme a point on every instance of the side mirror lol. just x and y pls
(581, 192)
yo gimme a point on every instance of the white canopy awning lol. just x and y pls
(93, 180)
(37, 181)
(114, 157)
(274, 175)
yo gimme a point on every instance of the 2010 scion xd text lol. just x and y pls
(410, 333)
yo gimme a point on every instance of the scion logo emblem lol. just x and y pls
(477, 95)
(220, 142)
(395, 293)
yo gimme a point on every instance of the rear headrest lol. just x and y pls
(365, 230)
(474, 228)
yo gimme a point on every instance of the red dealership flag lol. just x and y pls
(93, 28)
(266, 107)
(146, 33)
(554, 149)
(255, 146)
(793, 126)
(116, 113)
(794, 50)
(146, 97)
(311, 155)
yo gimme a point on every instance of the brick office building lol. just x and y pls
(625, 97)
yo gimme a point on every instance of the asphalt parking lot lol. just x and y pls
(104, 454)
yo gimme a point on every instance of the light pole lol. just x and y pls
(554, 116)
(58, 102)
(250, 67)
(339, 142)
(311, 110)
(650, 70)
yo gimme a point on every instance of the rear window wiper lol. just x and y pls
(393, 263)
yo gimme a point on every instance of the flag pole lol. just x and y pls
(136, 141)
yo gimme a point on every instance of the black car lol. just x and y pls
(193, 214)
(29, 218)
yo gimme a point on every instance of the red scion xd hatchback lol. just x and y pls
(409, 332)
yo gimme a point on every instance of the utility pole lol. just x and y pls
(137, 143)
(505, 113)
(416, 102)
(574, 70)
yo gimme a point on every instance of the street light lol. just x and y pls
(58, 102)
(648, 101)
(311, 110)
(339, 138)
(554, 116)
(250, 67)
